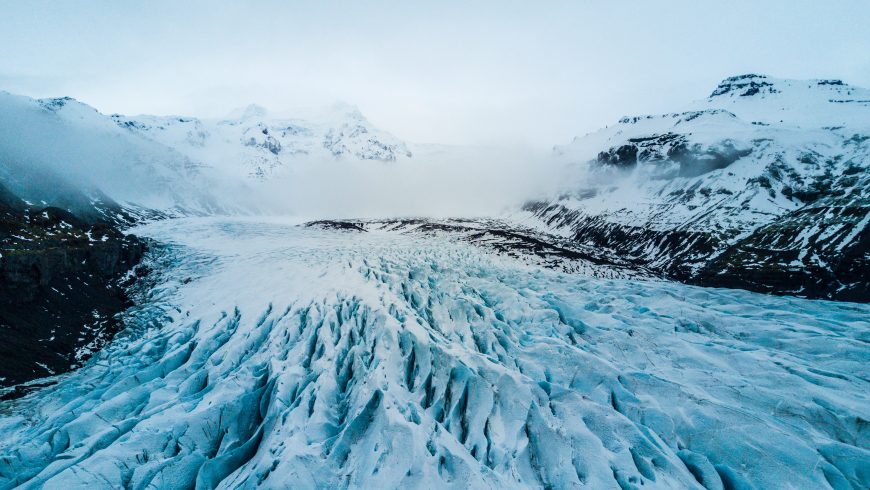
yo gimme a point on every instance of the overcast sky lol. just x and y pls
(449, 72)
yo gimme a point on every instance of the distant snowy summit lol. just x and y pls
(801, 103)
(762, 185)
(260, 144)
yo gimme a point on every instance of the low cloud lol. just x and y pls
(436, 182)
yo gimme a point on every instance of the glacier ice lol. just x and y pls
(278, 356)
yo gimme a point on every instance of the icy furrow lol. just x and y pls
(309, 359)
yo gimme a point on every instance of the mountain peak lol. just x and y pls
(343, 111)
(55, 104)
(752, 84)
(746, 85)
(248, 112)
(815, 103)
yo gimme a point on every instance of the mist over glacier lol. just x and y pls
(437, 182)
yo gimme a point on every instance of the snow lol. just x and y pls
(286, 357)
(253, 142)
(52, 146)
(767, 163)
(800, 118)
(798, 103)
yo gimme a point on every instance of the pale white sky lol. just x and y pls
(451, 72)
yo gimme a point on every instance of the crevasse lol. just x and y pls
(275, 356)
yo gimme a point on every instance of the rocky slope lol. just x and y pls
(60, 288)
(762, 186)
(70, 181)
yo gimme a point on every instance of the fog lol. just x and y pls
(64, 158)
(448, 182)
(46, 158)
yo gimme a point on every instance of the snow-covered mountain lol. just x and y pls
(763, 185)
(253, 142)
(64, 153)
(61, 152)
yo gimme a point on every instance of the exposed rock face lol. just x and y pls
(815, 252)
(693, 158)
(818, 251)
(747, 85)
(336, 225)
(259, 137)
(624, 156)
(59, 288)
(697, 160)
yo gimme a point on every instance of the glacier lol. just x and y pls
(272, 355)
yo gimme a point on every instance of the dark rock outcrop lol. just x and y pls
(816, 251)
(624, 156)
(696, 160)
(820, 251)
(744, 85)
(327, 224)
(59, 288)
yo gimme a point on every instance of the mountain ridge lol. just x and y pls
(761, 186)
(264, 144)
